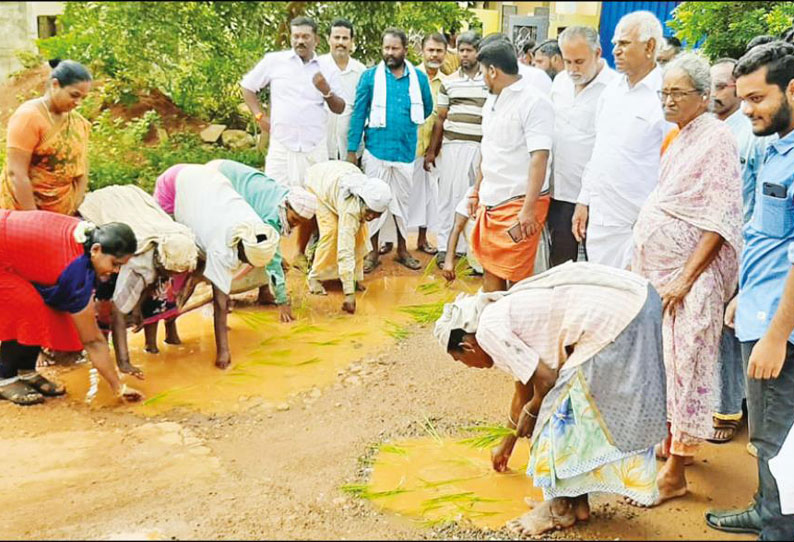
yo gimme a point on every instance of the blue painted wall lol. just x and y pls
(611, 12)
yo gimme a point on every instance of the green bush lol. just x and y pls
(118, 153)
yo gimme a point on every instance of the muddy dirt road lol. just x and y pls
(272, 467)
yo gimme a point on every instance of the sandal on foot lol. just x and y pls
(409, 262)
(427, 248)
(370, 265)
(735, 521)
(440, 259)
(20, 393)
(385, 248)
(46, 387)
(727, 427)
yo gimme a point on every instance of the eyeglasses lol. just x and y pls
(677, 95)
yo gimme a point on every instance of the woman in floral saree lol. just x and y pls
(579, 340)
(687, 242)
(47, 146)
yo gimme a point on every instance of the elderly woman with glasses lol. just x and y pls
(687, 242)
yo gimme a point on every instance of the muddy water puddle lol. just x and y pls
(436, 480)
(271, 361)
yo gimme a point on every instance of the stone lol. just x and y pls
(237, 139)
(282, 407)
(353, 381)
(315, 393)
(211, 133)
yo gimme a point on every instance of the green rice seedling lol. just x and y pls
(429, 288)
(486, 436)
(426, 484)
(306, 328)
(255, 320)
(164, 395)
(424, 314)
(308, 362)
(362, 491)
(457, 500)
(332, 342)
(431, 431)
(392, 449)
(396, 330)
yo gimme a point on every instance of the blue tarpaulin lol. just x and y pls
(611, 12)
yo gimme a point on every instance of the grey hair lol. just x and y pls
(697, 68)
(648, 25)
(587, 33)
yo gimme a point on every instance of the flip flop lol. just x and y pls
(409, 262)
(46, 387)
(21, 394)
(370, 266)
(428, 249)
(730, 427)
(385, 248)
(735, 521)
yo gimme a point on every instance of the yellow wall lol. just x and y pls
(561, 14)
(490, 20)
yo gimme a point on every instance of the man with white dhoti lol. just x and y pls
(392, 99)
(424, 196)
(630, 126)
(455, 147)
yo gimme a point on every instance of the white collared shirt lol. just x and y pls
(624, 166)
(574, 130)
(297, 109)
(338, 125)
(537, 77)
(515, 123)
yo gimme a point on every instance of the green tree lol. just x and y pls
(197, 52)
(725, 28)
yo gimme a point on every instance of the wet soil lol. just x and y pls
(274, 469)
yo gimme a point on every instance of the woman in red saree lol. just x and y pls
(47, 146)
(49, 264)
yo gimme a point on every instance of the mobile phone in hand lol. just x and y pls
(516, 233)
(774, 190)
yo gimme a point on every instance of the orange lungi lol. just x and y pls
(493, 247)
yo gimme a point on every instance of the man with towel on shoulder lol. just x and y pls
(228, 231)
(393, 103)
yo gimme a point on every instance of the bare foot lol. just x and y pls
(581, 508)
(660, 454)
(151, 349)
(171, 333)
(128, 368)
(670, 483)
(316, 288)
(547, 516)
(223, 362)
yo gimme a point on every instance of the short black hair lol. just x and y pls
(492, 38)
(528, 47)
(304, 21)
(68, 72)
(114, 238)
(343, 23)
(469, 37)
(673, 41)
(455, 343)
(758, 40)
(777, 56)
(435, 36)
(549, 48)
(499, 54)
(392, 31)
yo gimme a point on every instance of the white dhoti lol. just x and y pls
(457, 167)
(289, 167)
(423, 205)
(609, 245)
(399, 176)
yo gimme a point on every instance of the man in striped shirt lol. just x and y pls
(456, 137)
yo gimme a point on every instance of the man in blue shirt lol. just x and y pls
(764, 313)
(725, 106)
(392, 99)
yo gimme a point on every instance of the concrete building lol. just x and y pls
(21, 24)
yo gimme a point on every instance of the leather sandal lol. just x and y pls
(46, 387)
(735, 521)
(20, 393)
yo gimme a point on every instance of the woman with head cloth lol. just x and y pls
(47, 146)
(49, 264)
(348, 199)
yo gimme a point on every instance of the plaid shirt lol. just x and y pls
(397, 141)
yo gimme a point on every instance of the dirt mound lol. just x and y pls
(31, 83)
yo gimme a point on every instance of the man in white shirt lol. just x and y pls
(510, 196)
(300, 86)
(534, 76)
(341, 42)
(548, 57)
(630, 128)
(574, 94)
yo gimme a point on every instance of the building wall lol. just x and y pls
(19, 30)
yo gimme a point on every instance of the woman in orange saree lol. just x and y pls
(47, 146)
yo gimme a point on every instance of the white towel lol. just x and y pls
(377, 115)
